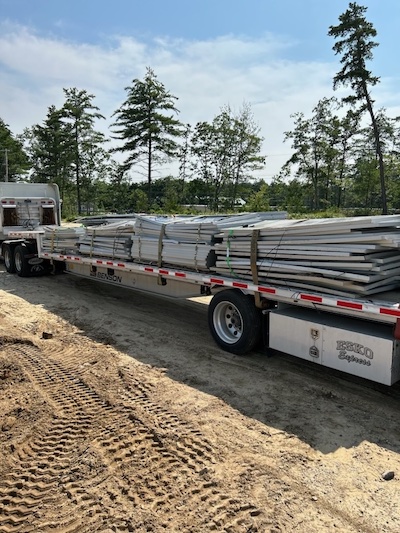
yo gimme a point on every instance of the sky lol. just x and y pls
(275, 55)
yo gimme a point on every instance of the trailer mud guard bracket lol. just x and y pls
(205, 290)
(396, 332)
(161, 281)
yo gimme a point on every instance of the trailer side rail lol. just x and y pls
(382, 311)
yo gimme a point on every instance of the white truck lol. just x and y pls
(359, 336)
(24, 207)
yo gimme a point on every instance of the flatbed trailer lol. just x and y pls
(352, 335)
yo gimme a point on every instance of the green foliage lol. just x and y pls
(14, 162)
(145, 123)
(259, 201)
(322, 150)
(354, 41)
(67, 150)
(226, 152)
(140, 201)
(50, 149)
(79, 114)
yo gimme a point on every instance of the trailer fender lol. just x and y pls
(11, 243)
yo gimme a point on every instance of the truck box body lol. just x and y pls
(28, 206)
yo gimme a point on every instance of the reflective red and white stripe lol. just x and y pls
(278, 293)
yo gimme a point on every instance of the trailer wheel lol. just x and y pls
(22, 267)
(9, 260)
(58, 267)
(234, 321)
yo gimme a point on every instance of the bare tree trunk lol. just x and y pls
(149, 161)
(378, 148)
(77, 171)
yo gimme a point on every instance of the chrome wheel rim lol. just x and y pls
(228, 322)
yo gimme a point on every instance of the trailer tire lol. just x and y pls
(234, 321)
(9, 259)
(58, 267)
(22, 267)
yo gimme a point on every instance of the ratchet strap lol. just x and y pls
(253, 263)
(160, 245)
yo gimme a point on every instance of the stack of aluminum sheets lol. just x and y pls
(355, 255)
(176, 241)
(180, 241)
(185, 241)
(61, 240)
(109, 240)
(98, 220)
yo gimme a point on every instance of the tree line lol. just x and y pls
(345, 155)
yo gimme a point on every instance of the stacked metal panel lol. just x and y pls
(185, 241)
(109, 240)
(357, 255)
(62, 240)
(176, 241)
(98, 220)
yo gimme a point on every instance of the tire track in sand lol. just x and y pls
(99, 466)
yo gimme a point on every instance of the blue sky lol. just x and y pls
(273, 54)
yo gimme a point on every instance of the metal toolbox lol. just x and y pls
(361, 348)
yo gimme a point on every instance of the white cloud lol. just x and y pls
(204, 75)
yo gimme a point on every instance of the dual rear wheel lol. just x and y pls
(21, 260)
(22, 266)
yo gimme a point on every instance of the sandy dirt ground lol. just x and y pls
(118, 413)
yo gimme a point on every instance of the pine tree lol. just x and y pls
(14, 161)
(145, 123)
(354, 40)
(50, 150)
(80, 115)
